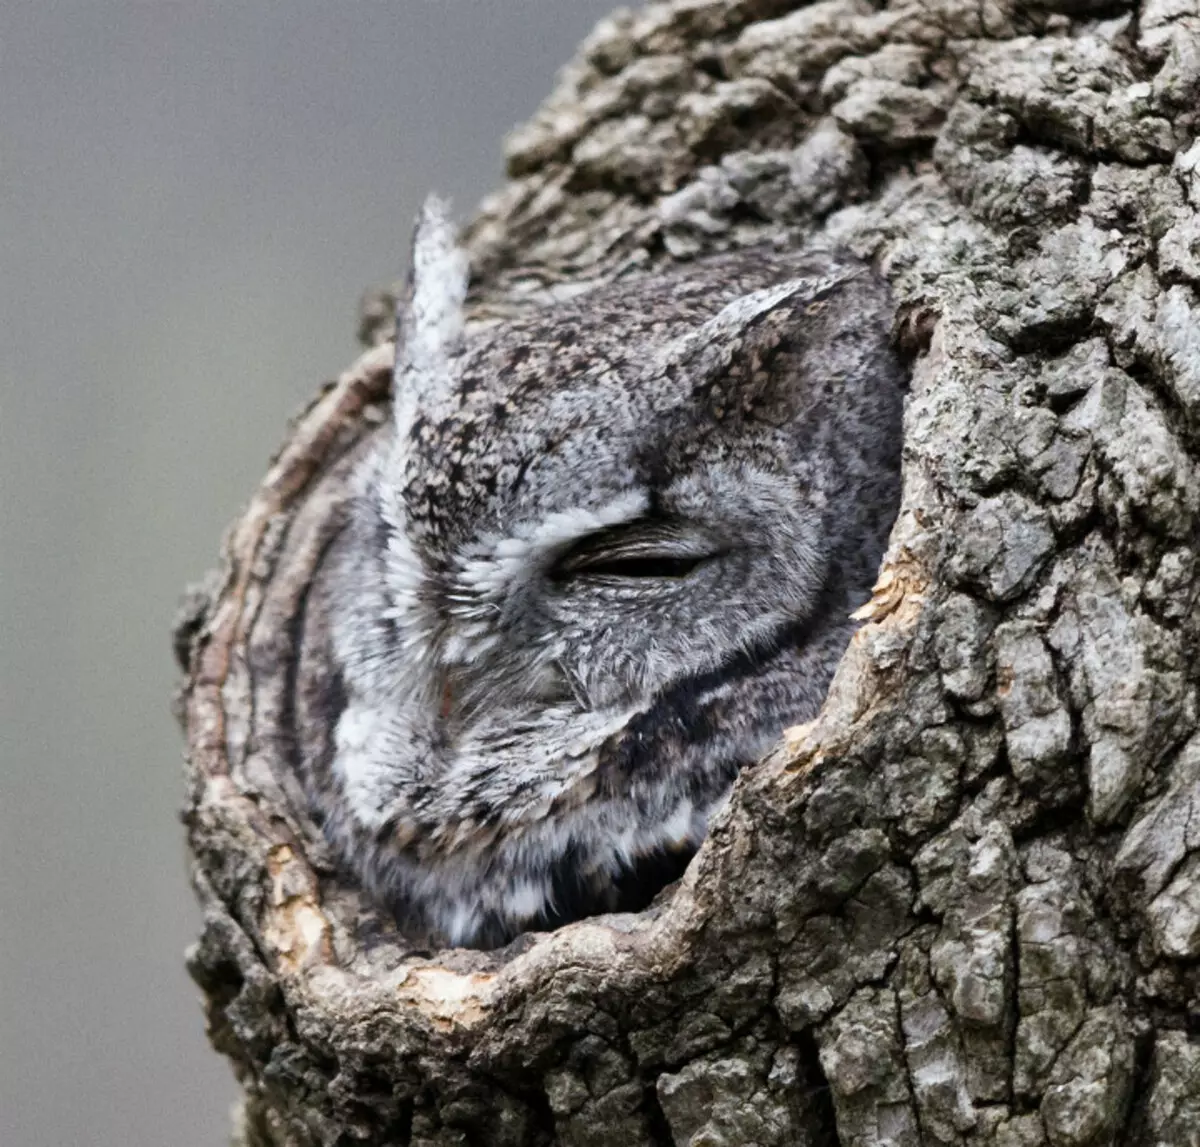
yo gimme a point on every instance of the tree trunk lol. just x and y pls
(963, 905)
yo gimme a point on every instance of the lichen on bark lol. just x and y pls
(963, 905)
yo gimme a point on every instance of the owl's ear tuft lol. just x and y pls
(429, 327)
(741, 315)
(725, 354)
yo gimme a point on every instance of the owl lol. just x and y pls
(598, 558)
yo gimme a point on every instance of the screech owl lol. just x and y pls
(600, 557)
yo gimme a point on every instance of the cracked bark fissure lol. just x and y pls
(963, 905)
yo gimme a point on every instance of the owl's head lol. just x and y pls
(602, 556)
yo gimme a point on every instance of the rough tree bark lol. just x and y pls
(962, 906)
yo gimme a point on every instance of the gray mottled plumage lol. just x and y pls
(601, 557)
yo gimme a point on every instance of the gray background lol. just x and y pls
(192, 196)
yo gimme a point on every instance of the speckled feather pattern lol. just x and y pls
(601, 557)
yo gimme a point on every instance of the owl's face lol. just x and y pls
(601, 558)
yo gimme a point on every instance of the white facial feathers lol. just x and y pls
(495, 565)
(492, 570)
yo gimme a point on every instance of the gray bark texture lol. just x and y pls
(961, 906)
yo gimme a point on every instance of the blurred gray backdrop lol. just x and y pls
(192, 196)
